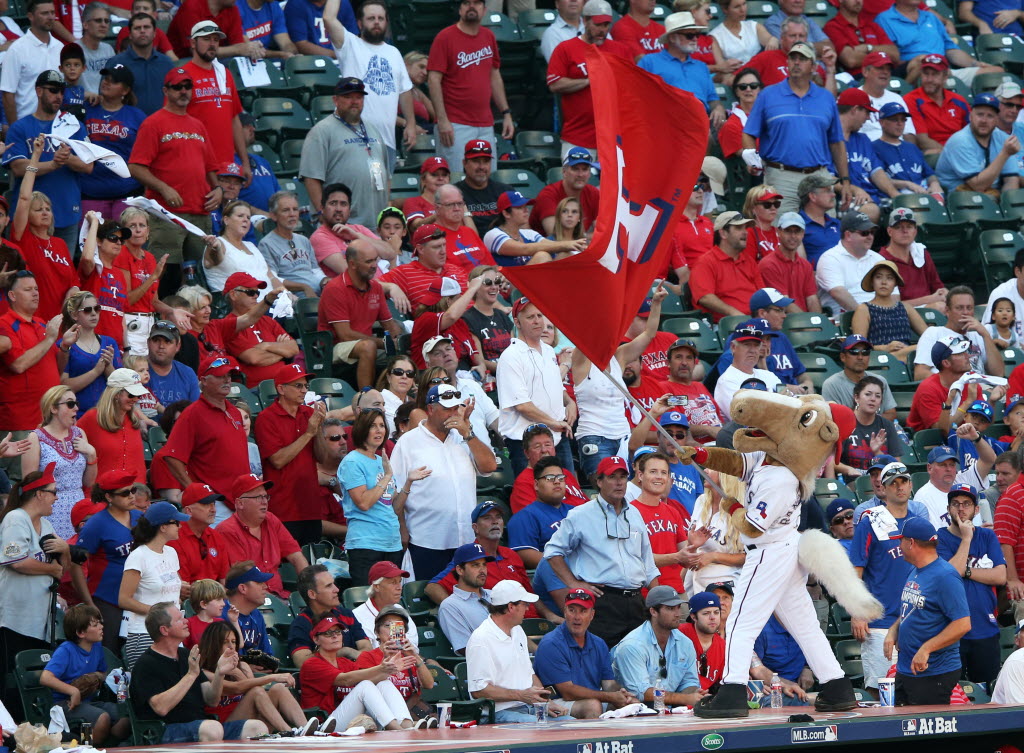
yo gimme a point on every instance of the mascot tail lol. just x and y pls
(825, 557)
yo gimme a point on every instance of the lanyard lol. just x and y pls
(362, 134)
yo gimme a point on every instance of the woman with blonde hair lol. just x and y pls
(58, 440)
(230, 252)
(714, 551)
(762, 206)
(114, 426)
(739, 38)
(423, 108)
(396, 384)
(91, 357)
(568, 220)
(488, 318)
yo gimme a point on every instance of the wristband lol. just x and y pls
(737, 505)
(700, 455)
(844, 179)
(507, 111)
(94, 462)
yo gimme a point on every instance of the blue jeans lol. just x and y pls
(593, 450)
(188, 732)
(521, 714)
(516, 456)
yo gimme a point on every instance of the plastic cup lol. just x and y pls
(540, 710)
(887, 691)
(444, 714)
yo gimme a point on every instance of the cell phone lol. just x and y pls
(396, 631)
(676, 400)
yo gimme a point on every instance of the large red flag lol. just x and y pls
(651, 140)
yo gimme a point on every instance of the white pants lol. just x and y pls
(138, 329)
(772, 580)
(382, 701)
(463, 135)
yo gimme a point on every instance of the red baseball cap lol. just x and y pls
(856, 98)
(330, 621)
(289, 373)
(243, 280)
(771, 195)
(217, 365)
(112, 480)
(876, 59)
(433, 164)
(246, 483)
(581, 597)
(176, 76)
(83, 509)
(477, 148)
(386, 569)
(428, 232)
(935, 62)
(609, 465)
(199, 494)
(47, 478)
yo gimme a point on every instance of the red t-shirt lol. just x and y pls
(794, 279)
(936, 121)
(196, 628)
(20, 393)
(691, 240)
(466, 62)
(415, 279)
(416, 207)
(200, 557)
(654, 360)
(217, 110)
(640, 40)
(705, 51)
(649, 390)
(212, 444)
(730, 136)
(407, 682)
(466, 249)
(265, 330)
(49, 261)
(1009, 518)
(569, 60)
(427, 325)
(160, 41)
(507, 566)
(110, 286)
(524, 494)
(547, 204)
(715, 655)
(120, 450)
(267, 552)
(926, 409)
(340, 301)
(138, 271)
(666, 530)
(1016, 383)
(699, 406)
(178, 151)
(761, 242)
(317, 679)
(192, 12)
(772, 67)
(732, 280)
(844, 34)
(296, 485)
(160, 476)
(918, 281)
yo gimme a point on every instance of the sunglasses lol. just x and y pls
(859, 352)
(702, 664)
(114, 237)
(89, 310)
(700, 185)
(748, 87)
(662, 667)
(248, 291)
(70, 403)
(447, 395)
(774, 204)
(123, 493)
(553, 477)
(54, 89)
(487, 282)
(217, 363)
(865, 233)
(441, 380)
(690, 35)
(842, 518)
(334, 438)
(538, 427)
(330, 633)
(183, 86)
(403, 372)
(579, 595)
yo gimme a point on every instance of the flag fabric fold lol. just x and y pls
(651, 141)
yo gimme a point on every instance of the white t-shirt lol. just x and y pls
(1010, 685)
(1007, 290)
(937, 500)
(871, 127)
(838, 268)
(934, 334)
(159, 581)
(495, 658)
(24, 60)
(384, 75)
(601, 404)
(234, 260)
(731, 380)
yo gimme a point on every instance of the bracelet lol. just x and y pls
(844, 179)
(94, 462)
(31, 169)
(507, 111)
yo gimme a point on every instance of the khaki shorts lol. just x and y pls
(343, 351)
(165, 238)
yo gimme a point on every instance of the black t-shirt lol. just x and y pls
(154, 674)
(857, 449)
(483, 203)
(494, 331)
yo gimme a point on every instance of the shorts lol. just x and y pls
(343, 351)
(874, 661)
(188, 732)
(165, 238)
(90, 711)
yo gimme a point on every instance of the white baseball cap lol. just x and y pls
(507, 591)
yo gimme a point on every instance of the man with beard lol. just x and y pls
(381, 68)
(666, 525)
(706, 618)
(979, 157)
(461, 613)
(331, 240)
(645, 389)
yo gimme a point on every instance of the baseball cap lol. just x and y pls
(724, 585)
(683, 343)
(917, 528)
(519, 305)
(704, 600)
(936, 62)
(433, 342)
(892, 109)
(610, 465)
(802, 48)
(477, 148)
(199, 494)
(1008, 90)
(581, 597)
(330, 622)
(865, 283)
(119, 74)
(894, 471)
(162, 512)
(876, 58)
(166, 330)
(112, 480)
(428, 232)
(731, 218)
(246, 482)
(127, 380)
(599, 11)
(445, 395)
(662, 596)
(214, 365)
(203, 28)
(231, 170)
(47, 478)
(246, 119)
(753, 383)
(433, 164)
(766, 297)
(941, 453)
(837, 506)
(243, 280)
(176, 76)
(1020, 626)
(83, 509)
(856, 98)
(385, 569)
(980, 408)
(966, 489)
(855, 221)
(902, 214)
(948, 346)
(440, 287)
(753, 329)
(853, 341)
(50, 78)
(985, 99)
(674, 418)
(393, 609)
(253, 575)
(290, 372)
(578, 156)
(510, 199)
(716, 173)
(791, 219)
(349, 85)
(878, 462)
(1012, 402)
(470, 553)
(482, 508)
(507, 591)
(812, 183)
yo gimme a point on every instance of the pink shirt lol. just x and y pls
(325, 243)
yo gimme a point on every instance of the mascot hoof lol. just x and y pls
(836, 695)
(730, 702)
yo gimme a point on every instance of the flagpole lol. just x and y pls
(661, 430)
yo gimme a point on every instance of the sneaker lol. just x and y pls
(328, 725)
(362, 720)
(420, 724)
(431, 722)
(311, 726)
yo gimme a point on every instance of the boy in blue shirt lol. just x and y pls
(979, 413)
(530, 528)
(72, 66)
(933, 618)
(76, 672)
(902, 161)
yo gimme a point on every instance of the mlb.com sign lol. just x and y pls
(818, 734)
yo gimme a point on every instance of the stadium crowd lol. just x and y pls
(280, 450)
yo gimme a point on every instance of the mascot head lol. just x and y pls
(798, 432)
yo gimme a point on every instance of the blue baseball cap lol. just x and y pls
(878, 462)
(948, 346)
(766, 297)
(1012, 402)
(445, 394)
(510, 199)
(889, 109)
(674, 418)
(481, 509)
(940, 453)
(252, 575)
(837, 506)
(980, 408)
(580, 156)
(470, 553)
(753, 383)
(852, 341)
(965, 489)
(160, 513)
(917, 528)
(703, 600)
(645, 450)
(986, 99)
(753, 329)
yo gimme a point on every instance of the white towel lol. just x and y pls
(883, 524)
(89, 153)
(84, 231)
(972, 377)
(633, 709)
(152, 207)
(7, 723)
(221, 74)
(917, 254)
(58, 722)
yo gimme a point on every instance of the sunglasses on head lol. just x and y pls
(403, 372)
(579, 595)
(184, 85)
(217, 363)
(748, 87)
(773, 204)
(537, 427)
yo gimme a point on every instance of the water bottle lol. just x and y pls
(189, 272)
(489, 382)
(659, 696)
(122, 688)
(776, 692)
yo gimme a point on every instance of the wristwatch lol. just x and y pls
(471, 437)
(967, 573)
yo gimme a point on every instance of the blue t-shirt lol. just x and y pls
(984, 553)
(783, 361)
(795, 130)
(903, 161)
(967, 453)
(687, 485)
(61, 186)
(253, 627)
(80, 361)
(376, 528)
(264, 182)
(544, 582)
(261, 25)
(181, 384)
(70, 662)
(306, 23)
(560, 658)
(819, 239)
(779, 651)
(531, 527)
(963, 157)
(986, 10)
(74, 101)
(932, 598)
(690, 75)
(860, 155)
(109, 543)
(885, 570)
(115, 131)
(925, 37)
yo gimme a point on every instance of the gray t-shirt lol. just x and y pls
(292, 260)
(95, 61)
(839, 389)
(23, 598)
(335, 152)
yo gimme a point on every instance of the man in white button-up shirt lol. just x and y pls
(26, 58)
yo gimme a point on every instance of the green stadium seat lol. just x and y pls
(540, 18)
(863, 487)
(524, 181)
(727, 324)
(1006, 50)
(314, 74)
(1012, 358)
(538, 144)
(998, 249)
(899, 86)
(241, 392)
(521, 66)
(278, 86)
(425, 146)
(828, 489)
(904, 400)
(414, 597)
(849, 656)
(354, 596)
(697, 330)
(1012, 204)
(291, 154)
(819, 368)
(501, 25)
(977, 208)
(819, 10)
(988, 82)
(320, 107)
(299, 189)
(281, 118)
(760, 9)
(839, 623)
(888, 367)
(333, 388)
(926, 439)
(264, 151)
(932, 317)
(277, 614)
(946, 240)
(806, 328)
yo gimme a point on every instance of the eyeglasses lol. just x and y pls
(962, 505)
(98, 21)
(774, 204)
(257, 497)
(54, 89)
(48, 491)
(333, 633)
(248, 291)
(859, 352)
(301, 386)
(441, 380)
(689, 34)
(70, 403)
(748, 87)
(865, 233)
(203, 549)
(453, 204)
(403, 372)
(553, 478)
(334, 438)
(842, 518)
(183, 86)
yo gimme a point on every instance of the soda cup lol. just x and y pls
(887, 691)
(444, 714)
(540, 710)
(755, 691)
